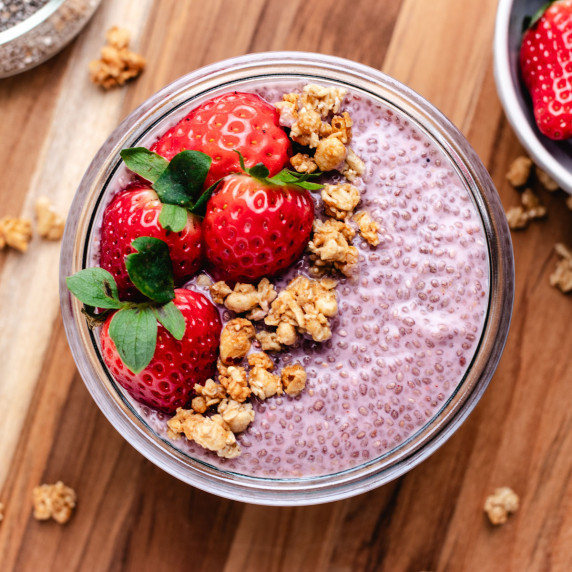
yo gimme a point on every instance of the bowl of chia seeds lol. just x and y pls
(32, 31)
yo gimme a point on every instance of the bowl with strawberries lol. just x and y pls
(532, 64)
(286, 278)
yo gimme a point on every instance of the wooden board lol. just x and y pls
(131, 515)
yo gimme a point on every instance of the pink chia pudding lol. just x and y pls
(409, 321)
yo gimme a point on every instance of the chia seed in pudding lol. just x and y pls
(408, 325)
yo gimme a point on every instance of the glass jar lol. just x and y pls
(79, 250)
(43, 34)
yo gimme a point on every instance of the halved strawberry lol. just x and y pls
(234, 121)
(546, 65)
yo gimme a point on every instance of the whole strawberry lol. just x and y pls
(168, 207)
(157, 349)
(255, 226)
(234, 121)
(135, 212)
(169, 379)
(546, 65)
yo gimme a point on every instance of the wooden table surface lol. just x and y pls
(133, 516)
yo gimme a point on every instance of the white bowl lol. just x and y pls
(555, 157)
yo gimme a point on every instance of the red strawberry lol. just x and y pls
(546, 64)
(240, 121)
(253, 228)
(135, 212)
(169, 379)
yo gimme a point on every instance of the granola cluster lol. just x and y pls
(245, 298)
(54, 501)
(331, 247)
(117, 64)
(500, 504)
(531, 208)
(17, 232)
(561, 278)
(315, 121)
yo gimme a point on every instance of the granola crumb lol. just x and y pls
(261, 359)
(54, 501)
(50, 222)
(269, 341)
(15, 232)
(353, 166)
(368, 228)
(117, 64)
(303, 163)
(519, 171)
(324, 100)
(247, 298)
(235, 340)
(212, 433)
(219, 291)
(500, 504)
(204, 281)
(340, 200)
(238, 416)
(517, 218)
(546, 180)
(330, 153)
(263, 383)
(293, 379)
(532, 204)
(561, 278)
(209, 394)
(330, 246)
(234, 380)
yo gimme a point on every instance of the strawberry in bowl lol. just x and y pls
(546, 67)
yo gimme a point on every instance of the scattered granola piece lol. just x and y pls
(330, 153)
(340, 200)
(368, 228)
(15, 232)
(234, 380)
(546, 180)
(293, 379)
(517, 218)
(569, 202)
(212, 433)
(324, 100)
(235, 340)
(531, 202)
(219, 291)
(50, 222)
(263, 383)
(288, 109)
(331, 246)
(54, 501)
(562, 276)
(286, 334)
(260, 359)
(500, 504)
(211, 393)
(118, 64)
(306, 129)
(341, 127)
(269, 341)
(303, 163)
(238, 416)
(306, 305)
(519, 171)
(353, 166)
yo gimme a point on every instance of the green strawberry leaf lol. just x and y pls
(181, 183)
(145, 163)
(151, 269)
(259, 171)
(94, 287)
(171, 318)
(134, 333)
(173, 218)
(200, 207)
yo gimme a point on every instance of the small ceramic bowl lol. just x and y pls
(555, 157)
(43, 34)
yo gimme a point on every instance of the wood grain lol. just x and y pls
(133, 516)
